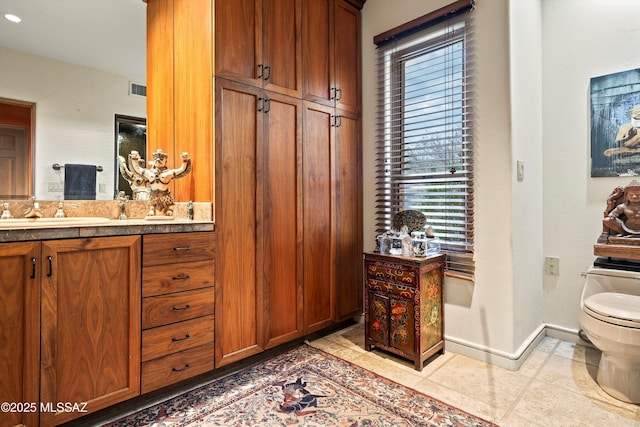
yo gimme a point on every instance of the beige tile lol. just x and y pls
(578, 352)
(482, 382)
(564, 408)
(459, 399)
(547, 344)
(534, 362)
(388, 368)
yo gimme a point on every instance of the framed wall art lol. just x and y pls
(615, 124)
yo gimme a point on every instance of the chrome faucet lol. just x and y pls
(34, 210)
(6, 214)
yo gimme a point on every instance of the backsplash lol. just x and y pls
(202, 211)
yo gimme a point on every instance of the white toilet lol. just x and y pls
(610, 318)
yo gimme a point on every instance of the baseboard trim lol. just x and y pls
(511, 361)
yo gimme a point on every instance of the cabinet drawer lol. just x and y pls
(383, 287)
(164, 279)
(164, 340)
(391, 272)
(171, 308)
(160, 249)
(176, 367)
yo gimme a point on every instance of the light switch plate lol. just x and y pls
(520, 170)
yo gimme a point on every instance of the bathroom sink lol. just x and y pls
(19, 223)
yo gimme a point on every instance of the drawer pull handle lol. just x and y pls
(186, 307)
(181, 277)
(186, 248)
(180, 369)
(186, 337)
(33, 268)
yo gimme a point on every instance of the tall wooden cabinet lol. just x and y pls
(180, 96)
(287, 153)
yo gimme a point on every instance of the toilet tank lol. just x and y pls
(610, 280)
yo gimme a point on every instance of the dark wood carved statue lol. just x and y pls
(621, 224)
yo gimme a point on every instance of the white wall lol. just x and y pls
(581, 39)
(494, 316)
(75, 109)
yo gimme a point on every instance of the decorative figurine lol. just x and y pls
(622, 216)
(159, 176)
(137, 182)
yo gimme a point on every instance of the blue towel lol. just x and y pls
(79, 182)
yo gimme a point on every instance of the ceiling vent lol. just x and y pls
(137, 89)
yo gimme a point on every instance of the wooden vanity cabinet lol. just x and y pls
(19, 330)
(404, 306)
(90, 324)
(177, 307)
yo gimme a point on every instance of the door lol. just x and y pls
(19, 332)
(90, 334)
(15, 159)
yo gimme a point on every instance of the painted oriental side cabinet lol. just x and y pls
(403, 305)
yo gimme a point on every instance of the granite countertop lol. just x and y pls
(114, 227)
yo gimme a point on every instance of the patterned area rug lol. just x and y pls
(302, 387)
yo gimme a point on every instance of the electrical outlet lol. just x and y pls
(552, 266)
(55, 187)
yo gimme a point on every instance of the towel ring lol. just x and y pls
(58, 166)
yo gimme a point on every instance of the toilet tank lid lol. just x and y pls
(617, 305)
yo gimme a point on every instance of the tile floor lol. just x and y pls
(554, 387)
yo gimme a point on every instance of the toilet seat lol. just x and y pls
(611, 307)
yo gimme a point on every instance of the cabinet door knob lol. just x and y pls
(185, 248)
(186, 307)
(267, 73)
(181, 277)
(33, 268)
(260, 71)
(50, 273)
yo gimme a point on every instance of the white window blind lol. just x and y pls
(425, 133)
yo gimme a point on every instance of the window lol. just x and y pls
(425, 134)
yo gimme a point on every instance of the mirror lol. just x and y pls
(74, 61)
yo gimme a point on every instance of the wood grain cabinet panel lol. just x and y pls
(178, 305)
(183, 276)
(331, 63)
(161, 249)
(19, 329)
(90, 323)
(258, 43)
(169, 369)
(167, 339)
(175, 307)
